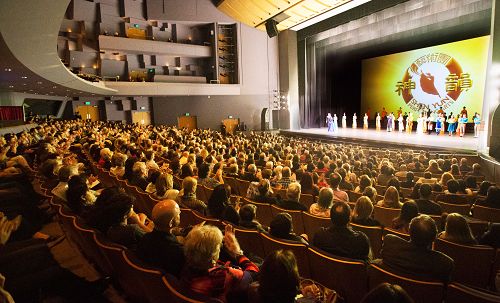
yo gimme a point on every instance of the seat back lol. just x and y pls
(208, 221)
(353, 197)
(421, 291)
(232, 182)
(271, 244)
(242, 187)
(472, 263)
(307, 200)
(250, 241)
(397, 233)
(463, 209)
(348, 277)
(298, 225)
(486, 213)
(453, 199)
(374, 234)
(385, 215)
(313, 223)
(264, 213)
(188, 218)
(67, 221)
(208, 192)
(200, 193)
(456, 292)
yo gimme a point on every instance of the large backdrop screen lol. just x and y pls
(450, 75)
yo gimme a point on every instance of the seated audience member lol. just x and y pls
(491, 237)
(410, 180)
(409, 210)
(186, 171)
(462, 188)
(164, 186)
(434, 168)
(371, 193)
(80, 198)
(362, 213)
(105, 158)
(483, 189)
(492, 198)
(445, 178)
(340, 239)
(464, 166)
(425, 205)
(343, 184)
(401, 173)
(139, 175)
(160, 247)
(205, 180)
(416, 257)
(452, 186)
(232, 171)
(150, 160)
(153, 176)
(118, 164)
(454, 170)
(386, 173)
(292, 198)
(364, 182)
(476, 171)
(129, 165)
(335, 180)
(285, 180)
(387, 293)
(391, 198)
(248, 220)
(204, 275)
(251, 174)
(187, 196)
(263, 192)
(218, 205)
(279, 281)
(65, 173)
(427, 179)
(282, 227)
(325, 201)
(307, 186)
(471, 183)
(457, 230)
(415, 193)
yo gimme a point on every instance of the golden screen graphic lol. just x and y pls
(450, 76)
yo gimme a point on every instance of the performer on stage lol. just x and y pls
(401, 125)
(451, 124)
(464, 112)
(335, 125)
(390, 120)
(354, 121)
(462, 122)
(377, 122)
(477, 122)
(439, 123)
(420, 124)
(344, 121)
(365, 121)
(329, 122)
(430, 123)
(409, 123)
(393, 121)
(424, 122)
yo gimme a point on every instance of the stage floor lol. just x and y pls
(393, 139)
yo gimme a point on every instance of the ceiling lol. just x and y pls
(288, 13)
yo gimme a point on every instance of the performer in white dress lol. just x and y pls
(365, 121)
(430, 123)
(335, 125)
(420, 124)
(401, 125)
(377, 122)
(409, 123)
(354, 121)
(344, 121)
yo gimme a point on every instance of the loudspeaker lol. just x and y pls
(271, 29)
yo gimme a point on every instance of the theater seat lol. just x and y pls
(385, 215)
(348, 277)
(374, 234)
(472, 263)
(298, 225)
(250, 241)
(421, 291)
(458, 293)
(453, 199)
(263, 214)
(242, 187)
(463, 209)
(307, 200)
(313, 223)
(486, 213)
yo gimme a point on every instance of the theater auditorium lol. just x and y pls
(250, 151)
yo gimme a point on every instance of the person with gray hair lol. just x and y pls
(285, 180)
(292, 198)
(251, 174)
(65, 173)
(139, 175)
(324, 204)
(187, 196)
(118, 164)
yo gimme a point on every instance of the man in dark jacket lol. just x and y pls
(425, 205)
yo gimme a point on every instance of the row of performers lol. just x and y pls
(424, 124)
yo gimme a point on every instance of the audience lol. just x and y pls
(325, 201)
(457, 230)
(187, 196)
(292, 198)
(425, 205)
(282, 227)
(363, 211)
(391, 198)
(409, 210)
(387, 293)
(335, 180)
(248, 218)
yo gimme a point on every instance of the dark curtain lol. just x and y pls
(11, 113)
(313, 107)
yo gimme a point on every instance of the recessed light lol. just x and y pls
(8, 69)
(24, 77)
(39, 82)
(11, 86)
(24, 84)
(54, 86)
(51, 92)
(67, 90)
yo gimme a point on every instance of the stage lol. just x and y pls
(466, 144)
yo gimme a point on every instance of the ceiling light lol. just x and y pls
(39, 82)
(338, 10)
(8, 69)
(54, 86)
(24, 77)
(11, 86)
(24, 84)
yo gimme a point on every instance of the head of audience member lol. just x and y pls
(458, 230)
(423, 231)
(454, 170)
(281, 225)
(186, 171)
(219, 200)
(106, 154)
(293, 191)
(445, 177)
(252, 169)
(462, 187)
(129, 164)
(425, 191)
(427, 175)
(464, 163)
(118, 160)
(452, 186)
(409, 210)
(476, 169)
(248, 212)
(163, 183)
(387, 293)
(279, 278)
(371, 193)
(266, 174)
(335, 179)
(471, 182)
(286, 172)
(493, 195)
(189, 185)
(106, 195)
(363, 209)
(203, 171)
(410, 176)
(325, 198)
(391, 197)
(140, 169)
(166, 215)
(394, 182)
(77, 189)
(67, 172)
(340, 214)
(483, 188)
(202, 247)
(306, 182)
(264, 188)
(364, 182)
(116, 211)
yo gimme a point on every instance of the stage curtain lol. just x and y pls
(11, 113)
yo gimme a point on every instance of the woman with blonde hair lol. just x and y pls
(391, 198)
(457, 230)
(165, 187)
(445, 177)
(362, 213)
